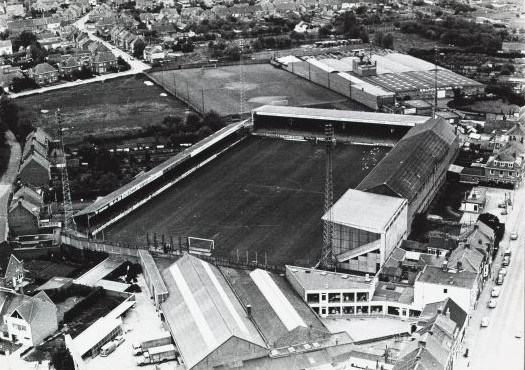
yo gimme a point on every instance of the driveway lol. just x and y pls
(7, 180)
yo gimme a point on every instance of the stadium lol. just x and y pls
(260, 194)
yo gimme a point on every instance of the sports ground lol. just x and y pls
(219, 89)
(264, 195)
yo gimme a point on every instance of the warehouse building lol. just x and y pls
(156, 286)
(226, 317)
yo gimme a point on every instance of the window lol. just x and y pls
(511, 173)
(492, 172)
(475, 207)
(445, 290)
(501, 173)
(19, 327)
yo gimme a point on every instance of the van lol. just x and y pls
(500, 279)
(107, 348)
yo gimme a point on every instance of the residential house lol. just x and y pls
(3, 22)
(438, 283)
(167, 3)
(27, 320)
(473, 258)
(44, 73)
(103, 61)
(475, 201)
(23, 216)
(97, 47)
(49, 40)
(103, 26)
(46, 5)
(505, 168)
(154, 53)
(169, 14)
(144, 4)
(15, 10)
(438, 343)
(6, 47)
(11, 274)
(68, 66)
(35, 170)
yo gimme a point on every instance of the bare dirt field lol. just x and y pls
(219, 89)
(101, 109)
(264, 195)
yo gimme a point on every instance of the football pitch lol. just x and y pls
(264, 195)
(219, 89)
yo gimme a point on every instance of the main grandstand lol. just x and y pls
(377, 80)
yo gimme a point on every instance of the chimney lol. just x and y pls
(440, 311)
(447, 313)
(249, 310)
(459, 266)
(422, 343)
(444, 267)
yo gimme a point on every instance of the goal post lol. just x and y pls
(200, 245)
(208, 66)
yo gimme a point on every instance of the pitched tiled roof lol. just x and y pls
(470, 258)
(105, 56)
(43, 68)
(28, 194)
(29, 206)
(405, 169)
(37, 158)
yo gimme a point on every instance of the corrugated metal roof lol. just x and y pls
(86, 340)
(284, 310)
(406, 167)
(153, 272)
(202, 311)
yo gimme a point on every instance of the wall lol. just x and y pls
(231, 351)
(425, 293)
(396, 231)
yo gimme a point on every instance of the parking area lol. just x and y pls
(494, 197)
(139, 322)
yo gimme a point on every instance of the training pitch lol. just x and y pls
(264, 195)
(219, 89)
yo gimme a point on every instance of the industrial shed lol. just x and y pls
(156, 286)
(208, 323)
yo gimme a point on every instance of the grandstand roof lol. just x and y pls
(365, 211)
(405, 169)
(156, 172)
(202, 310)
(341, 115)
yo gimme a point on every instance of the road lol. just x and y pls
(136, 66)
(7, 180)
(495, 347)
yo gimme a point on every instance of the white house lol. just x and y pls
(475, 202)
(436, 284)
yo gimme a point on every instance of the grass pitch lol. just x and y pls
(264, 195)
(219, 89)
(103, 109)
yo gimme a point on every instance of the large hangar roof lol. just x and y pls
(202, 310)
(341, 115)
(406, 167)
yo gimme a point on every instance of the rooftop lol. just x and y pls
(313, 279)
(55, 283)
(94, 334)
(365, 211)
(436, 275)
(392, 292)
(341, 115)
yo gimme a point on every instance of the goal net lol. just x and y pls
(200, 246)
(208, 66)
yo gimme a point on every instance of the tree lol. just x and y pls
(138, 50)
(388, 41)
(25, 39)
(61, 359)
(233, 52)
(378, 38)
(364, 36)
(213, 121)
(8, 115)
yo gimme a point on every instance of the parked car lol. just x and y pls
(502, 205)
(485, 322)
(500, 279)
(495, 292)
(119, 340)
(492, 303)
(518, 335)
(503, 271)
(504, 212)
(514, 235)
